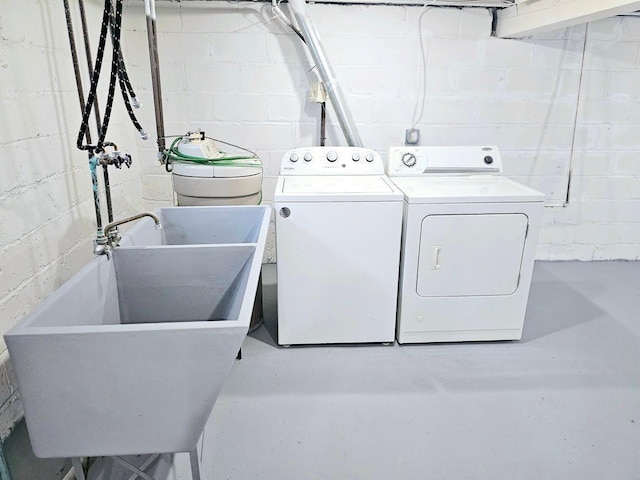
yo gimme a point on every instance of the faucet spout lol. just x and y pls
(132, 218)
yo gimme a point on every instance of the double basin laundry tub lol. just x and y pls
(130, 354)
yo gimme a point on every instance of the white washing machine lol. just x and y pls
(468, 245)
(338, 231)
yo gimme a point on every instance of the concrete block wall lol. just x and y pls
(551, 103)
(563, 99)
(47, 219)
(606, 188)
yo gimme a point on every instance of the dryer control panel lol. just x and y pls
(314, 161)
(412, 161)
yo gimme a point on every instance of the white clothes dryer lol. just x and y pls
(338, 230)
(468, 246)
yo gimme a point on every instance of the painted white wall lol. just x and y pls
(234, 71)
(231, 70)
(47, 220)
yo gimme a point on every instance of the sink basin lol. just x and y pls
(130, 354)
(199, 225)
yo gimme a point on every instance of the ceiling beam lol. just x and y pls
(535, 16)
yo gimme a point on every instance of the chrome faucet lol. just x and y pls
(109, 237)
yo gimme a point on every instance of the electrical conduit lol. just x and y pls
(327, 75)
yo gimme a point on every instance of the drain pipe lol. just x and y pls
(319, 56)
(152, 37)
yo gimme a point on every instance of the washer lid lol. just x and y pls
(335, 189)
(465, 189)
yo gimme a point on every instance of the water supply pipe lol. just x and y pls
(152, 37)
(313, 42)
(96, 108)
(87, 49)
(87, 134)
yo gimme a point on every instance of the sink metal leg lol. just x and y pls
(195, 464)
(147, 463)
(77, 468)
(133, 468)
(107, 468)
(137, 472)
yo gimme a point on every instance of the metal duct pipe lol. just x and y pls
(152, 37)
(334, 91)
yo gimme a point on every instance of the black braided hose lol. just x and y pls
(123, 71)
(123, 78)
(87, 49)
(94, 79)
(113, 75)
(112, 21)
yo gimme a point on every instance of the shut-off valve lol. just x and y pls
(117, 159)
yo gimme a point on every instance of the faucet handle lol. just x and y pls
(100, 243)
(114, 237)
(116, 158)
(122, 158)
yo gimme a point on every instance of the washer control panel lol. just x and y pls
(332, 161)
(411, 161)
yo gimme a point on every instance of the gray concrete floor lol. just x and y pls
(563, 403)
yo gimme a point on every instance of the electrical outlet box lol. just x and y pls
(412, 136)
(318, 93)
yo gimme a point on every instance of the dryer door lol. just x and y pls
(463, 255)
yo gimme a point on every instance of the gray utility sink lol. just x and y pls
(199, 226)
(130, 354)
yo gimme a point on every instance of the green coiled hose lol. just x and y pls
(174, 155)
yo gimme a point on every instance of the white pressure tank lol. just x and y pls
(202, 175)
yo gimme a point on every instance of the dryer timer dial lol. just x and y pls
(409, 159)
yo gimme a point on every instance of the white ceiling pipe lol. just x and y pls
(332, 86)
(535, 16)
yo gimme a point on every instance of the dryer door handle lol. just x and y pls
(436, 257)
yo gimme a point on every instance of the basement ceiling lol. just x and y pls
(520, 18)
(435, 3)
(529, 17)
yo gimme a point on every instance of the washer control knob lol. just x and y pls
(409, 159)
(332, 156)
(293, 157)
(308, 157)
(369, 157)
(488, 159)
(355, 157)
(285, 212)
